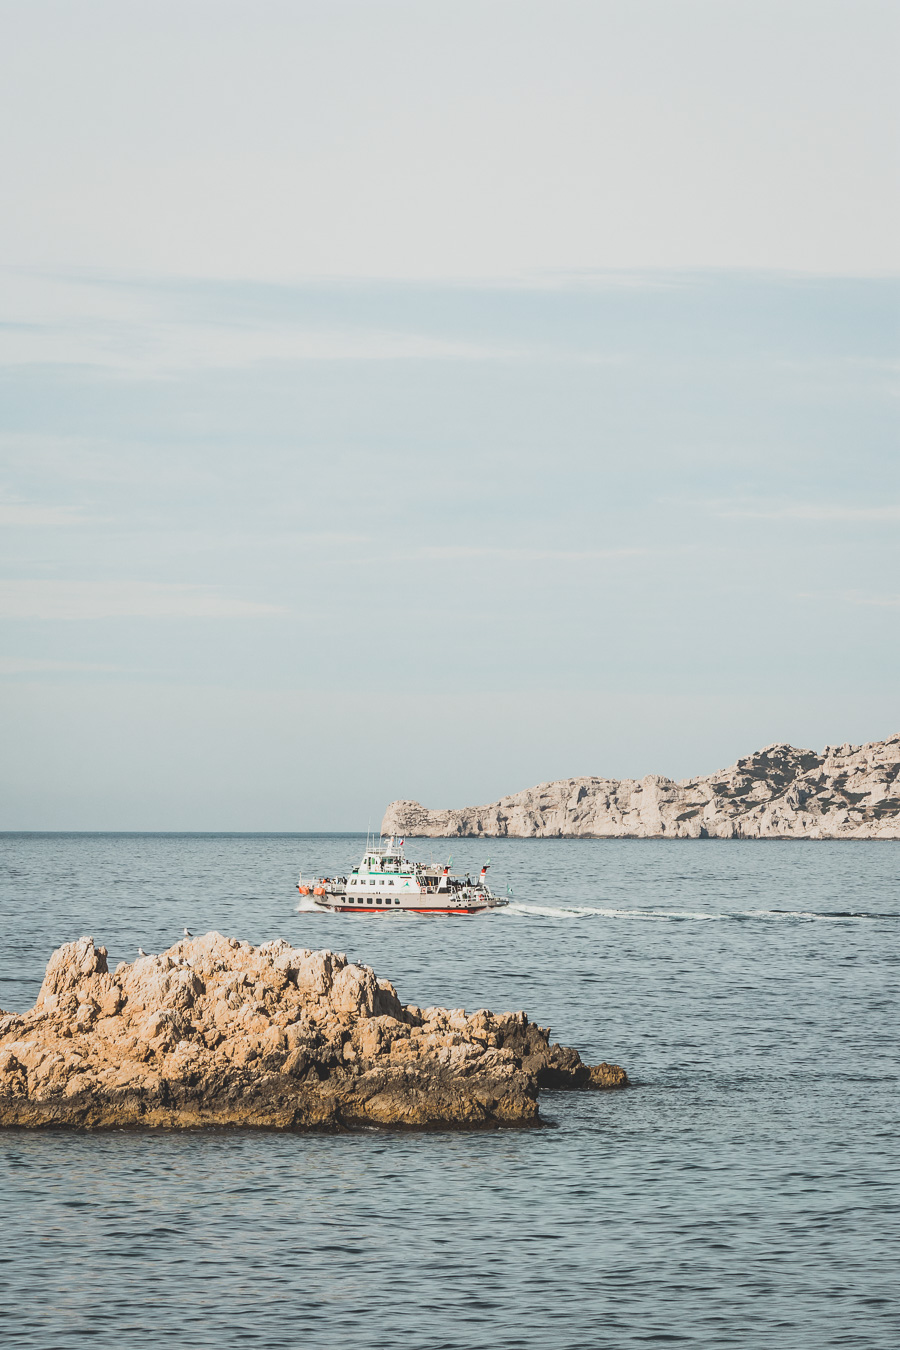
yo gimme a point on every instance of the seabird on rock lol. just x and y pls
(187, 932)
(141, 952)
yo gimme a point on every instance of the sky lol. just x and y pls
(427, 401)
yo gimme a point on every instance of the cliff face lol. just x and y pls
(846, 792)
(216, 1032)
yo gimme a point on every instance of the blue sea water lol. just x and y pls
(745, 1192)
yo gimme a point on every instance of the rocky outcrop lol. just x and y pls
(216, 1032)
(846, 792)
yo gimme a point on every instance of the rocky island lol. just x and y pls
(216, 1032)
(846, 792)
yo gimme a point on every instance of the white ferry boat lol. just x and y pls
(387, 882)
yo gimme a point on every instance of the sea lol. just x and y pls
(744, 1191)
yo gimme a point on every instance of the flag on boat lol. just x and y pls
(402, 842)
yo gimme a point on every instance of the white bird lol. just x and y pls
(187, 932)
(141, 952)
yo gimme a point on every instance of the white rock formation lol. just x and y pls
(846, 792)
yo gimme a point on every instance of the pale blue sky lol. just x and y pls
(420, 506)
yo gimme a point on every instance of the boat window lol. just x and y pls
(371, 883)
(378, 899)
(390, 883)
(368, 899)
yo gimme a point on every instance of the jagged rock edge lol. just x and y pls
(215, 1032)
(780, 792)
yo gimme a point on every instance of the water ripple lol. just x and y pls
(744, 1194)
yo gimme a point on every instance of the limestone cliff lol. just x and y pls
(846, 792)
(217, 1032)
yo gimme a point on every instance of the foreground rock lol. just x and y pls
(216, 1032)
(846, 792)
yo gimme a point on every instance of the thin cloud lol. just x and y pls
(30, 514)
(880, 601)
(164, 348)
(29, 599)
(26, 665)
(852, 597)
(529, 554)
(813, 511)
(128, 329)
(161, 350)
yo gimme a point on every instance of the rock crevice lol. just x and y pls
(217, 1032)
(846, 792)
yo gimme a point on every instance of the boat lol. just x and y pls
(387, 882)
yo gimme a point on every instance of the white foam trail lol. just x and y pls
(583, 911)
(661, 915)
(776, 914)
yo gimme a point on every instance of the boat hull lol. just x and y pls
(406, 909)
(335, 904)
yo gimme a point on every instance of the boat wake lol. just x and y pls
(305, 906)
(654, 915)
